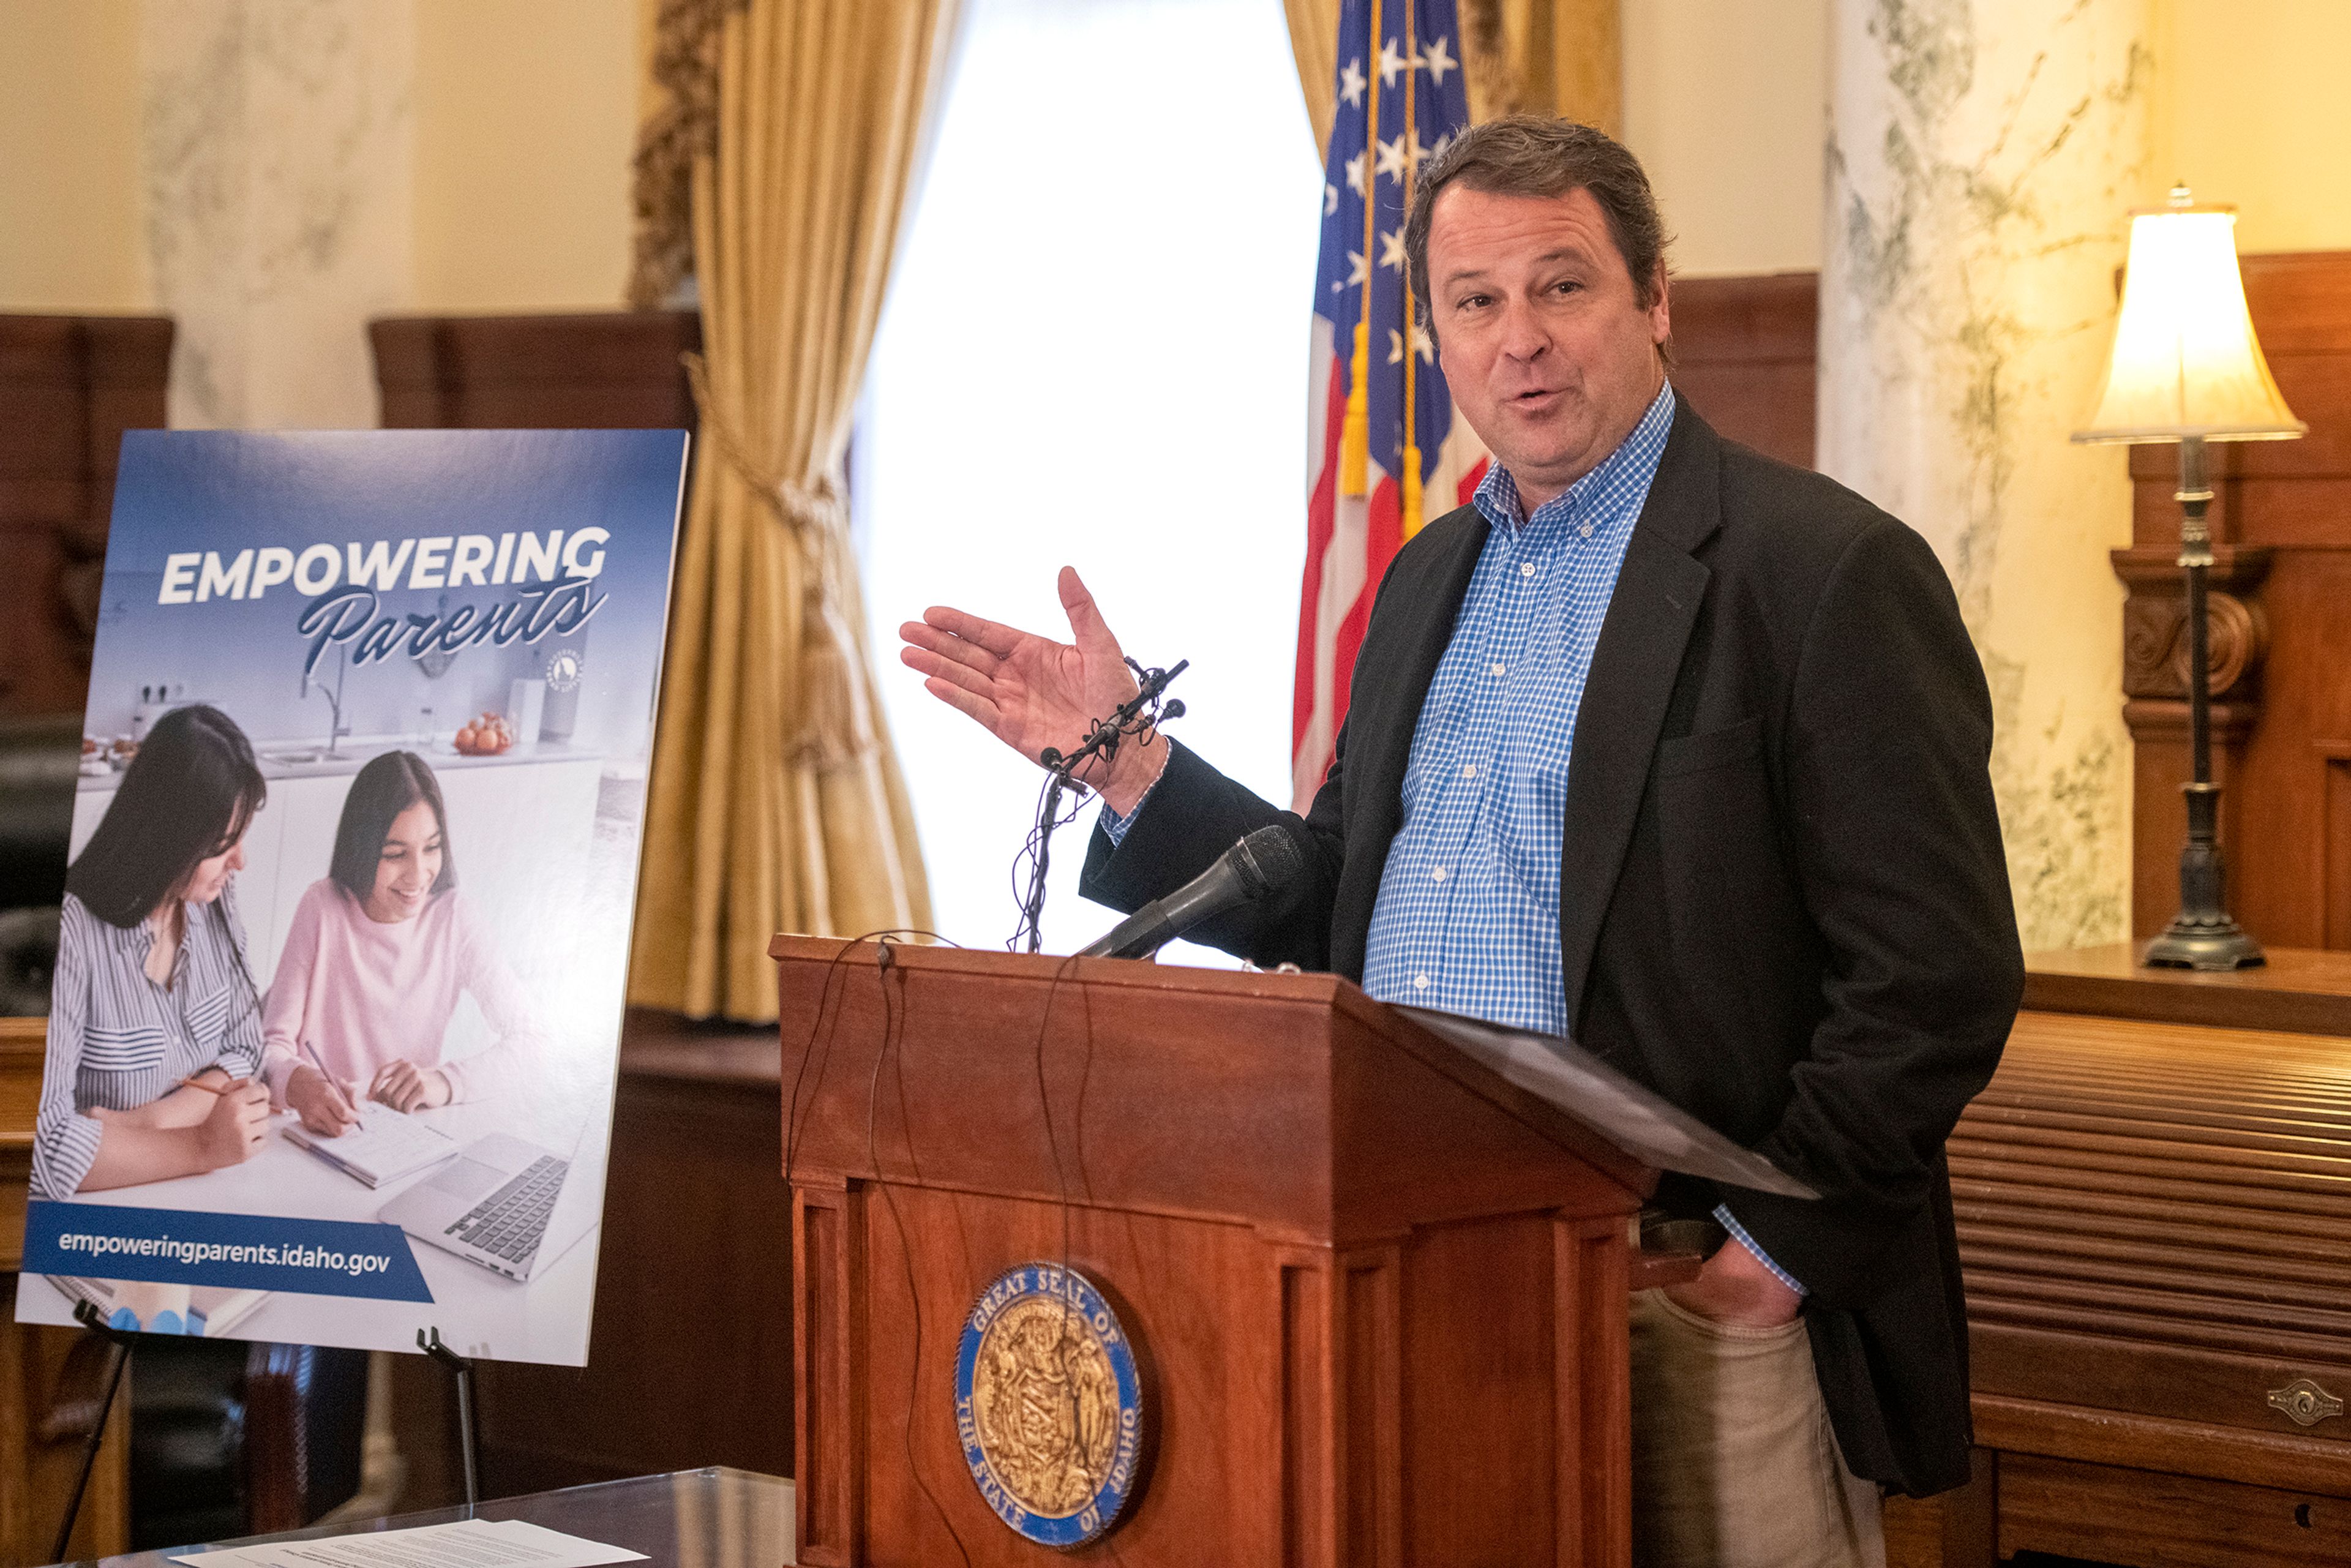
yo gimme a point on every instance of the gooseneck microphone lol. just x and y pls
(1263, 862)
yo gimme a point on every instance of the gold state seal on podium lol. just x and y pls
(1049, 1405)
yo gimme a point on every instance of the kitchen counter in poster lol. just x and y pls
(282, 759)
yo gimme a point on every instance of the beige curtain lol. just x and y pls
(776, 804)
(1542, 57)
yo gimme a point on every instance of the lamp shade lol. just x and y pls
(2185, 361)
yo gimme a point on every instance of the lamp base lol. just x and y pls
(2219, 945)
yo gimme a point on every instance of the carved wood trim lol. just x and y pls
(1307, 1416)
(828, 1402)
(2155, 646)
(2165, 720)
(1341, 1378)
(1370, 1328)
(1594, 1414)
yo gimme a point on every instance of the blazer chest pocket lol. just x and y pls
(1709, 750)
(1734, 923)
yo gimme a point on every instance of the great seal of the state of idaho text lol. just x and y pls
(1049, 1405)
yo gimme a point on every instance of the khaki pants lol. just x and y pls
(1733, 1462)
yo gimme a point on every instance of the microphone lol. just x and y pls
(1263, 862)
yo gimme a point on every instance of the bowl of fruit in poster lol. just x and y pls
(486, 735)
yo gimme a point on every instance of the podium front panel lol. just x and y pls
(1379, 1319)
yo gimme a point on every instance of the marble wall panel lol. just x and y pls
(279, 199)
(1982, 156)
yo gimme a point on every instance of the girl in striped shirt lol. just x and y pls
(154, 1023)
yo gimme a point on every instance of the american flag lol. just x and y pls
(1399, 99)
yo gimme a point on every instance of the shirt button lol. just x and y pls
(1498, 668)
(1585, 530)
(1469, 771)
(1529, 568)
(1420, 982)
(1437, 874)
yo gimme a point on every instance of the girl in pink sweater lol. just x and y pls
(379, 953)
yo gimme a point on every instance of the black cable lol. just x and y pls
(1138, 717)
(794, 1116)
(891, 1028)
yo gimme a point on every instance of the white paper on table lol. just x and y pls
(469, 1543)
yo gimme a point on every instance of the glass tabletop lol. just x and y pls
(691, 1519)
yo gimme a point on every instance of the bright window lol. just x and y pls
(1094, 353)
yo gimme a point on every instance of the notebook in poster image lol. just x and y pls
(370, 717)
(385, 1145)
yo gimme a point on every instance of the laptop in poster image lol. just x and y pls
(501, 1204)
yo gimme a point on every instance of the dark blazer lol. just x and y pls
(1783, 903)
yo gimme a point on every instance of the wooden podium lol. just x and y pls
(1378, 1293)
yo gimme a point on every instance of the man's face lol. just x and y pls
(1548, 354)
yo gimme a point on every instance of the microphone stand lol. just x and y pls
(1139, 715)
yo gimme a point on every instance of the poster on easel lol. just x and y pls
(335, 1027)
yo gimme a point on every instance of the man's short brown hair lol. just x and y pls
(1531, 155)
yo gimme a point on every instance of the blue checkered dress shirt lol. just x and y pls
(1467, 915)
(1466, 919)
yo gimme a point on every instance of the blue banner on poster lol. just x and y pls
(235, 1251)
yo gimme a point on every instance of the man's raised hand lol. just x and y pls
(1032, 693)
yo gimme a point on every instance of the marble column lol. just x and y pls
(1981, 159)
(279, 196)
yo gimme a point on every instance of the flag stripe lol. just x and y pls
(1349, 540)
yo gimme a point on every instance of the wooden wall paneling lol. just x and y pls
(592, 370)
(70, 387)
(50, 1379)
(1745, 354)
(2333, 863)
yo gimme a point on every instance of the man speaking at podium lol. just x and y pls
(1677, 750)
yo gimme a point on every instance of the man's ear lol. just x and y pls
(1661, 321)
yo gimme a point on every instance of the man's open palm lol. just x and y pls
(1031, 692)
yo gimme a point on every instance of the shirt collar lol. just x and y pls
(1634, 464)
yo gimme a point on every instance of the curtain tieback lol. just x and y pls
(835, 729)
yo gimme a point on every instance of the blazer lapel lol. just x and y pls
(1633, 666)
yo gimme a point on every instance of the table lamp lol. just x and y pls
(2187, 369)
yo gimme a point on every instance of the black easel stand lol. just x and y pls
(462, 1371)
(87, 1315)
